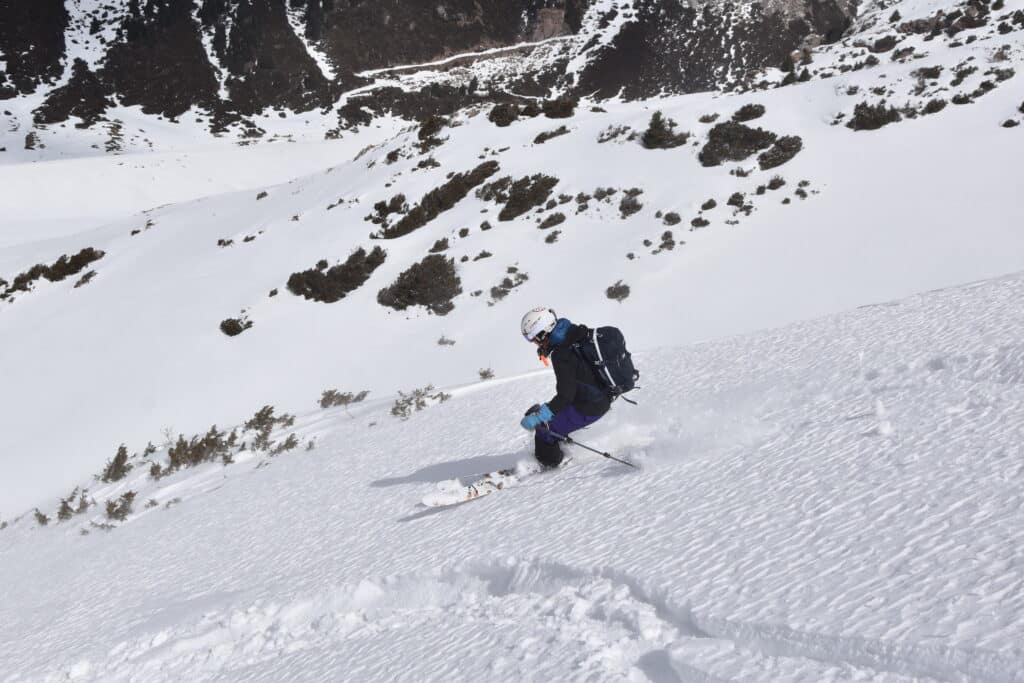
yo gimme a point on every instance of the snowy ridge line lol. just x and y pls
(466, 55)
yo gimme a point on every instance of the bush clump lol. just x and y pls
(503, 115)
(731, 141)
(233, 327)
(660, 133)
(784, 149)
(560, 107)
(432, 283)
(557, 218)
(671, 218)
(872, 116)
(416, 400)
(510, 282)
(544, 137)
(934, 106)
(117, 468)
(629, 204)
(617, 292)
(440, 199)
(333, 284)
(526, 193)
(63, 267)
(118, 509)
(748, 112)
(332, 397)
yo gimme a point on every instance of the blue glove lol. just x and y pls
(535, 419)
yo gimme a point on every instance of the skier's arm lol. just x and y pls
(565, 382)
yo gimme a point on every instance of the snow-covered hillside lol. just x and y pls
(835, 500)
(863, 216)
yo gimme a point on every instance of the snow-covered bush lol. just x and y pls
(233, 327)
(63, 267)
(556, 218)
(560, 107)
(332, 397)
(548, 135)
(119, 508)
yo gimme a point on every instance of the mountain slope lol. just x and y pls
(834, 500)
(138, 349)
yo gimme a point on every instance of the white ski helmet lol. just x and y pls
(538, 321)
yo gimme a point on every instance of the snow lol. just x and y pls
(774, 533)
(829, 430)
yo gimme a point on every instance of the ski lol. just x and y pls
(454, 492)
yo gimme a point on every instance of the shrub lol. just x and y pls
(503, 115)
(560, 107)
(486, 373)
(482, 255)
(557, 218)
(120, 508)
(332, 397)
(735, 199)
(440, 199)
(155, 471)
(233, 327)
(629, 205)
(288, 444)
(872, 116)
(445, 341)
(432, 283)
(430, 128)
(333, 284)
(708, 118)
(544, 137)
(660, 133)
(708, 205)
(784, 149)
(439, 246)
(928, 73)
(668, 242)
(731, 141)
(618, 292)
(934, 106)
(261, 195)
(671, 218)
(501, 290)
(748, 112)
(117, 468)
(884, 44)
(383, 209)
(700, 222)
(85, 279)
(416, 401)
(197, 450)
(60, 269)
(525, 194)
(41, 519)
(776, 182)
(552, 236)
(65, 512)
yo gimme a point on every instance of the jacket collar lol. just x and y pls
(560, 333)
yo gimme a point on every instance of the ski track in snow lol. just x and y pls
(836, 500)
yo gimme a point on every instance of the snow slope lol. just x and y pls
(887, 213)
(835, 500)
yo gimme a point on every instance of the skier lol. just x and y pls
(579, 400)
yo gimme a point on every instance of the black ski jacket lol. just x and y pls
(575, 382)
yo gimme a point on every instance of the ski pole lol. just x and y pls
(571, 442)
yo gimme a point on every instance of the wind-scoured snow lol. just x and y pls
(835, 500)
